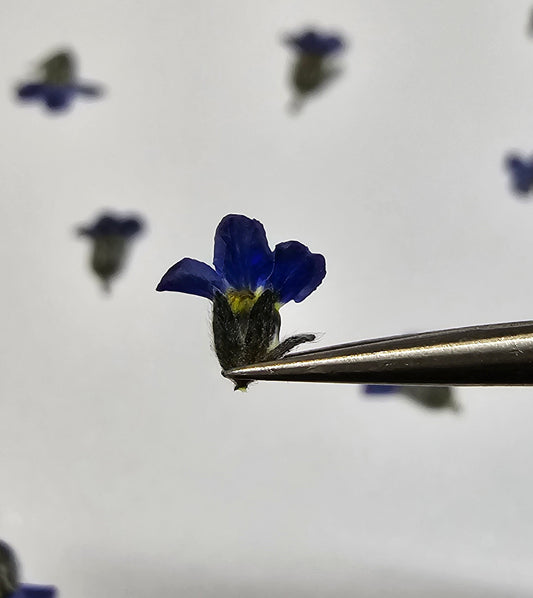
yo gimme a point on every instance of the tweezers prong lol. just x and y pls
(488, 355)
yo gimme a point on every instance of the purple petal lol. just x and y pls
(521, 172)
(30, 91)
(34, 591)
(297, 272)
(93, 91)
(192, 277)
(58, 97)
(242, 255)
(315, 43)
(380, 389)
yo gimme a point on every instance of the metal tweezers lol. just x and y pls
(488, 355)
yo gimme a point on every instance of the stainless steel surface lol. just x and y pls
(489, 355)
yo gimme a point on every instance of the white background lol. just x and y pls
(129, 466)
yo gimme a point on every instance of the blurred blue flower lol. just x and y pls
(111, 235)
(313, 67)
(58, 86)
(56, 97)
(248, 285)
(312, 42)
(431, 397)
(521, 172)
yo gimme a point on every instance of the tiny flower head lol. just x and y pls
(521, 172)
(313, 67)
(248, 285)
(56, 84)
(111, 236)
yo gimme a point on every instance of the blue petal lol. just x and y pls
(312, 42)
(58, 97)
(297, 272)
(93, 91)
(192, 277)
(30, 91)
(111, 224)
(129, 227)
(521, 173)
(34, 591)
(380, 389)
(242, 255)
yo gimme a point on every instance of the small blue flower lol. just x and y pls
(521, 172)
(245, 266)
(58, 87)
(248, 285)
(312, 42)
(313, 67)
(111, 235)
(56, 97)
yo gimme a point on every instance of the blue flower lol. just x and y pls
(431, 397)
(521, 172)
(245, 267)
(58, 87)
(312, 42)
(111, 235)
(56, 97)
(248, 285)
(313, 68)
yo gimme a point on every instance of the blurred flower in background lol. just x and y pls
(521, 172)
(111, 236)
(431, 397)
(313, 67)
(10, 586)
(248, 286)
(56, 84)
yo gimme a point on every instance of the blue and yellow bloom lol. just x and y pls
(521, 172)
(312, 68)
(248, 285)
(58, 86)
(111, 236)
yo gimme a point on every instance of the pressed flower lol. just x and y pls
(57, 85)
(521, 172)
(111, 236)
(432, 397)
(248, 285)
(313, 68)
(10, 586)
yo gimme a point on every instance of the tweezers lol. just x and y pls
(487, 355)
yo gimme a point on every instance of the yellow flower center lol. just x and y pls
(242, 301)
